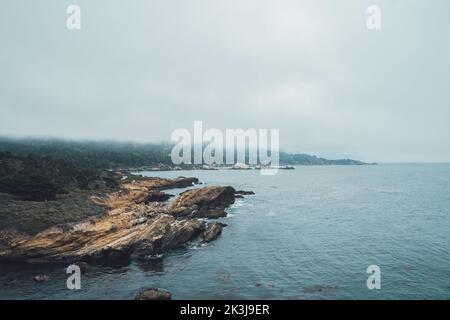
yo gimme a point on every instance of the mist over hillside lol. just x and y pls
(109, 154)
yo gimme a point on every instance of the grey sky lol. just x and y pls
(137, 70)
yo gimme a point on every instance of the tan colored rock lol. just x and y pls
(208, 202)
(129, 229)
(153, 294)
(213, 231)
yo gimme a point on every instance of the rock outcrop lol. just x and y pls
(131, 228)
(154, 196)
(212, 231)
(153, 294)
(209, 202)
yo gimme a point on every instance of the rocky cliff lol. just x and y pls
(135, 225)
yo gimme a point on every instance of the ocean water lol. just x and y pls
(308, 233)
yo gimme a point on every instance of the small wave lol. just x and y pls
(238, 204)
(198, 246)
(154, 256)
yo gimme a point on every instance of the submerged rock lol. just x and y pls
(153, 294)
(41, 278)
(244, 193)
(319, 289)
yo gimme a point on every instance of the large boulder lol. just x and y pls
(208, 202)
(213, 231)
(175, 235)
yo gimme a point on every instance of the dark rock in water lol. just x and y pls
(244, 193)
(212, 231)
(41, 278)
(153, 294)
(319, 289)
(116, 254)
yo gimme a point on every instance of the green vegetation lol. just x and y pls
(101, 155)
(113, 155)
(39, 178)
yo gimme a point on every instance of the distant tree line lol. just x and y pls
(113, 155)
(38, 178)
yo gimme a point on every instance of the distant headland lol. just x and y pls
(128, 155)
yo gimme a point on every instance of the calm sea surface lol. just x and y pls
(308, 233)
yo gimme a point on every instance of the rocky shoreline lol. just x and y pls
(139, 222)
(193, 167)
